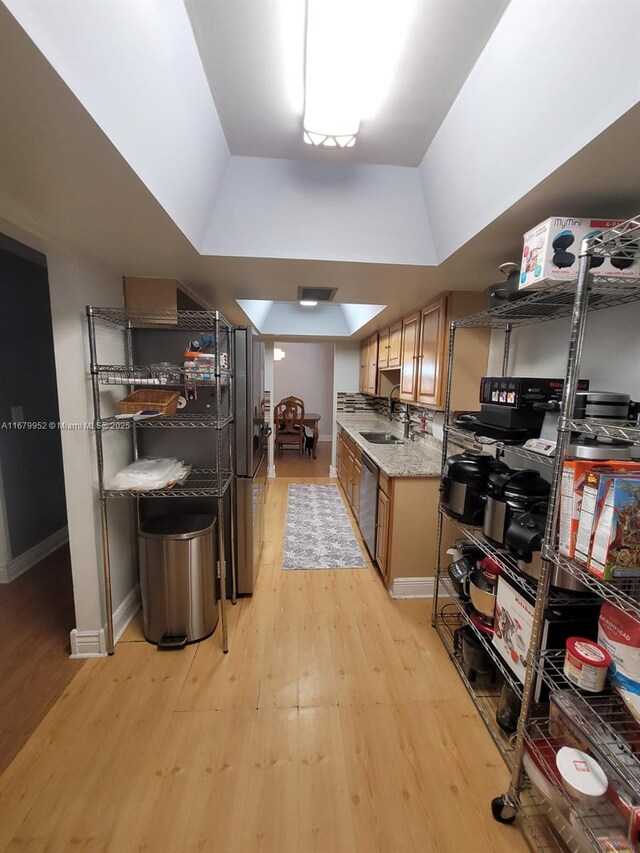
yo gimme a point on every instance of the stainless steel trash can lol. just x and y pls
(177, 579)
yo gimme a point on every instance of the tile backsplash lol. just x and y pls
(351, 402)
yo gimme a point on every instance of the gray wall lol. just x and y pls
(31, 459)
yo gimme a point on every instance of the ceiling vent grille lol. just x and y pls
(317, 294)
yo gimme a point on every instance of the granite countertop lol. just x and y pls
(419, 458)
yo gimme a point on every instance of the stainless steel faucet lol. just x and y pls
(392, 401)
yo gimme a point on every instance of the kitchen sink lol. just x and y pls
(381, 438)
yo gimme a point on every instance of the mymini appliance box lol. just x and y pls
(551, 250)
(513, 624)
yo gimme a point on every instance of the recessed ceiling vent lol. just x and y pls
(317, 294)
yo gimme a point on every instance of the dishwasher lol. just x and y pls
(369, 503)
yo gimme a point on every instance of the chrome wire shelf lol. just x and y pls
(509, 566)
(195, 321)
(623, 592)
(120, 374)
(595, 823)
(626, 431)
(553, 302)
(547, 829)
(486, 699)
(469, 438)
(179, 421)
(487, 645)
(620, 241)
(604, 718)
(201, 483)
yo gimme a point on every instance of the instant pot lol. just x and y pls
(511, 493)
(464, 484)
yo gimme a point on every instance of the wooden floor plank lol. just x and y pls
(336, 724)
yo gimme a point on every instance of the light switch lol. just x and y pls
(17, 414)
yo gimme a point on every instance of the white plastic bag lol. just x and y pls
(147, 474)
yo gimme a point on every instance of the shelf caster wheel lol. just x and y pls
(502, 811)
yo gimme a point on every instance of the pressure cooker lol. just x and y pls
(511, 493)
(464, 485)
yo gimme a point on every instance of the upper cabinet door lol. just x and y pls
(409, 366)
(431, 351)
(395, 345)
(372, 365)
(364, 363)
(383, 349)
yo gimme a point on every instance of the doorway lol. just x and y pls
(305, 370)
(36, 591)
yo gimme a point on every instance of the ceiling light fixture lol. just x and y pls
(278, 354)
(352, 50)
(308, 303)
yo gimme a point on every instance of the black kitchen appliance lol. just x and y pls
(511, 493)
(464, 483)
(601, 405)
(476, 663)
(465, 556)
(523, 392)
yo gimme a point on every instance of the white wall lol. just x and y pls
(135, 68)
(346, 377)
(551, 78)
(268, 386)
(306, 371)
(75, 282)
(611, 352)
(286, 209)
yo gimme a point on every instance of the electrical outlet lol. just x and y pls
(17, 414)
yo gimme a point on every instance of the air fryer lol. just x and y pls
(560, 244)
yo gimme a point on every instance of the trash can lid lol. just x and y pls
(177, 526)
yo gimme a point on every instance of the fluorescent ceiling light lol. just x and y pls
(308, 303)
(353, 48)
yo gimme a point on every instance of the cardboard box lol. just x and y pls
(593, 496)
(574, 475)
(551, 250)
(615, 549)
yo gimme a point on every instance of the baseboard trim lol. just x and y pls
(88, 644)
(412, 588)
(125, 612)
(271, 471)
(333, 472)
(26, 561)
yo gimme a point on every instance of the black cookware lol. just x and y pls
(464, 484)
(476, 663)
(510, 494)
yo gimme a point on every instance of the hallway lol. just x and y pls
(335, 724)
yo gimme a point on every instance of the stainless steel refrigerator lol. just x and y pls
(251, 433)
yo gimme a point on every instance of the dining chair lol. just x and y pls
(288, 417)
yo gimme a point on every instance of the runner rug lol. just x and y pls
(318, 532)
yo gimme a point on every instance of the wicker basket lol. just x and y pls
(165, 402)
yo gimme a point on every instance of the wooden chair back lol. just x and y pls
(288, 417)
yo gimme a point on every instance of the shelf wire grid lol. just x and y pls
(120, 374)
(509, 567)
(485, 640)
(179, 421)
(595, 823)
(621, 240)
(201, 483)
(485, 699)
(553, 302)
(195, 321)
(624, 593)
(626, 431)
(604, 718)
(469, 438)
(548, 830)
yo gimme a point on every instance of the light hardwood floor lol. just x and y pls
(289, 464)
(336, 724)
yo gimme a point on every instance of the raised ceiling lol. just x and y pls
(252, 53)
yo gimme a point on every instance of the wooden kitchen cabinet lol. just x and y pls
(383, 349)
(431, 354)
(406, 535)
(349, 466)
(410, 357)
(395, 344)
(369, 365)
(382, 533)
